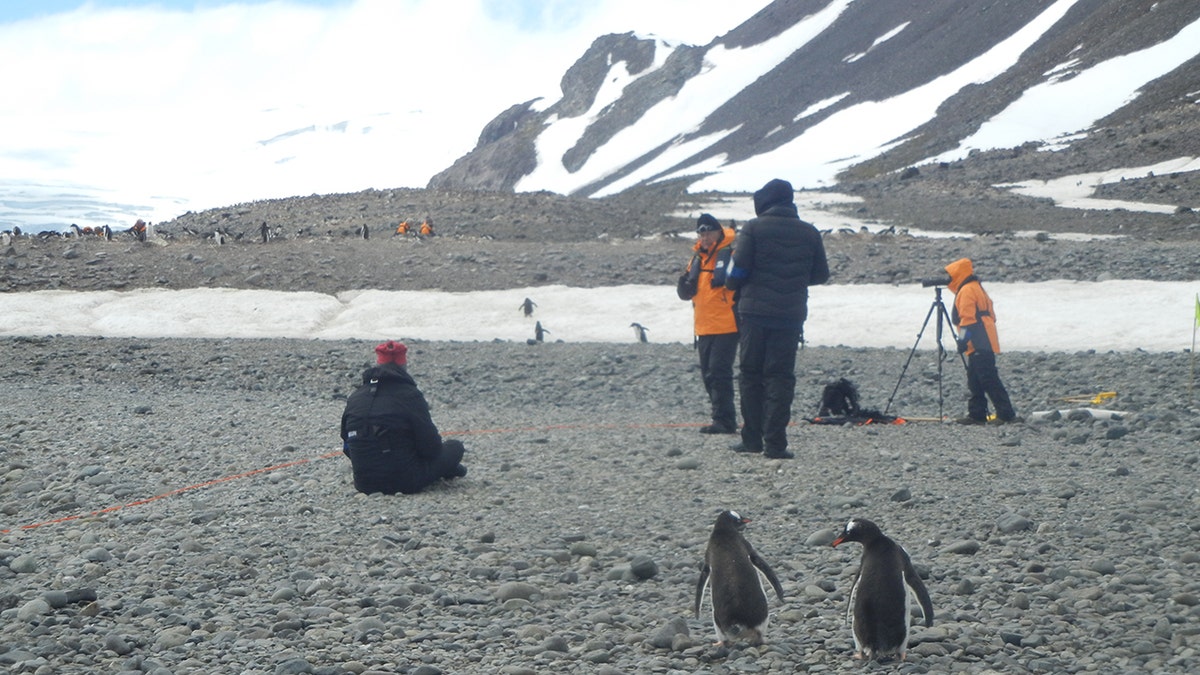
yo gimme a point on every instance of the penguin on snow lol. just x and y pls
(527, 307)
(730, 570)
(879, 602)
(639, 332)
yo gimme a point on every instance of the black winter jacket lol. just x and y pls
(389, 413)
(776, 258)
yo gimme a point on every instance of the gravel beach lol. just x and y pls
(175, 506)
(182, 506)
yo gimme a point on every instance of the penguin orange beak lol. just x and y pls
(839, 540)
(745, 520)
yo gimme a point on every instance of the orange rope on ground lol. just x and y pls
(286, 465)
(172, 493)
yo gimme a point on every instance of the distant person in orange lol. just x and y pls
(427, 227)
(139, 230)
(403, 228)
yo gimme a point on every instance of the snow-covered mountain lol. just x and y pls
(819, 91)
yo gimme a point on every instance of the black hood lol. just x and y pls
(777, 192)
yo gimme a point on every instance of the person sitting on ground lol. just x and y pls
(388, 434)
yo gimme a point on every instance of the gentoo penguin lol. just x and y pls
(639, 331)
(527, 307)
(879, 602)
(539, 333)
(738, 599)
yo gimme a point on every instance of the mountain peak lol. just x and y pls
(825, 91)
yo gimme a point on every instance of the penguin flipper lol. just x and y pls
(700, 584)
(914, 582)
(768, 572)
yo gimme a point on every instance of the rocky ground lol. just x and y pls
(181, 506)
(489, 243)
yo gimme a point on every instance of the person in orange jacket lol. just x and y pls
(715, 324)
(402, 229)
(975, 317)
(427, 228)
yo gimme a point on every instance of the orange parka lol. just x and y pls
(712, 304)
(973, 311)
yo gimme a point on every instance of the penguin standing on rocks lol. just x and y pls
(738, 599)
(539, 333)
(879, 602)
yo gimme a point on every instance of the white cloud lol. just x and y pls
(169, 107)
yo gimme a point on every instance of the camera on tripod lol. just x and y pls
(942, 280)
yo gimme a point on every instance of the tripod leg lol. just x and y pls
(907, 361)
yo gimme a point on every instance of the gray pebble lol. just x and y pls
(516, 590)
(964, 547)
(643, 567)
(33, 609)
(822, 537)
(1012, 522)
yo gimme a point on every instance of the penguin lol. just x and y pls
(879, 602)
(639, 331)
(527, 307)
(539, 333)
(738, 599)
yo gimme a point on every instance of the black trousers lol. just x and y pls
(983, 382)
(717, 353)
(377, 469)
(767, 383)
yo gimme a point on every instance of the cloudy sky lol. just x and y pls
(201, 103)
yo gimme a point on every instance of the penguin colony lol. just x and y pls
(879, 600)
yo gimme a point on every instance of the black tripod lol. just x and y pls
(943, 322)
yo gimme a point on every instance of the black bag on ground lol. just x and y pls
(839, 405)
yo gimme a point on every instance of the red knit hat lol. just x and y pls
(392, 352)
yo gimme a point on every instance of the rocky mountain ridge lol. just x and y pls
(840, 68)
